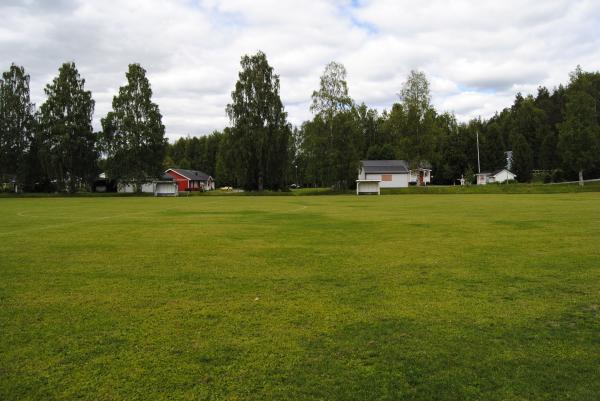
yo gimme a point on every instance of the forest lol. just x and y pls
(553, 135)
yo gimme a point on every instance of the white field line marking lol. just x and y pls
(298, 209)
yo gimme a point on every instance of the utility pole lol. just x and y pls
(478, 164)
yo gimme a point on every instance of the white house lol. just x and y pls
(498, 176)
(422, 175)
(390, 173)
(393, 173)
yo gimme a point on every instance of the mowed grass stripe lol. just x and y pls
(491, 297)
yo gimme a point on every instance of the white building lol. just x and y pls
(368, 187)
(421, 176)
(498, 176)
(394, 173)
(390, 173)
(165, 188)
(130, 187)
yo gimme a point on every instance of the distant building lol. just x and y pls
(394, 173)
(165, 187)
(130, 187)
(191, 180)
(498, 176)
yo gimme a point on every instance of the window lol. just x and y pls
(386, 177)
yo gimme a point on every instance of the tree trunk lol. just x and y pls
(580, 178)
(260, 182)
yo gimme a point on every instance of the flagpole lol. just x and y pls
(478, 164)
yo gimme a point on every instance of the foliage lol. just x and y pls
(579, 134)
(196, 153)
(133, 137)
(333, 141)
(332, 97)
(67, 142)
(16, 122)
(260, 133)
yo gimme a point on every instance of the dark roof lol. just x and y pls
(193, 175)
(385, 166)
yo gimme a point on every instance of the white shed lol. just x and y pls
(165, 188)
(368, 187)
(502, 176)
(499, 176)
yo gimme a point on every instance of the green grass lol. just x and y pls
(448, 297)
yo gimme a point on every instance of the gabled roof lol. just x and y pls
(192, 175)
(501, 170)
(385, 166)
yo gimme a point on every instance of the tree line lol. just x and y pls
(56, 149)
(555, 134)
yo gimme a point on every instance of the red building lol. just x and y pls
(191, 180)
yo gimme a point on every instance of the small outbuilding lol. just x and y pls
(165, 188)
(368, 187)
(498, 176)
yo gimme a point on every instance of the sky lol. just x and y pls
(476, 54)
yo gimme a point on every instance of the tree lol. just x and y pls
(133, 134)
(381, 152)
(332, 96)
(334, 142)
(260, 132)
(67, 140)
(16, 121)
(420, 116)
(579, 134)
(415, 93)
(522, 158)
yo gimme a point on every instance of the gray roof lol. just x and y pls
(193, 175)
(385, 166)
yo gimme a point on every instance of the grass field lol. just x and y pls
(447, 297)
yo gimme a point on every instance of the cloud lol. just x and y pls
(477, 55)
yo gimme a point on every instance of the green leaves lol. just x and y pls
(332, 96)
(16, 120)
(133, 136)
(67, 140)
(260, 133)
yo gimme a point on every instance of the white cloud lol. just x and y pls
(477, 55)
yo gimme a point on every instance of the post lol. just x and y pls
(478, 164)
(580, 178)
